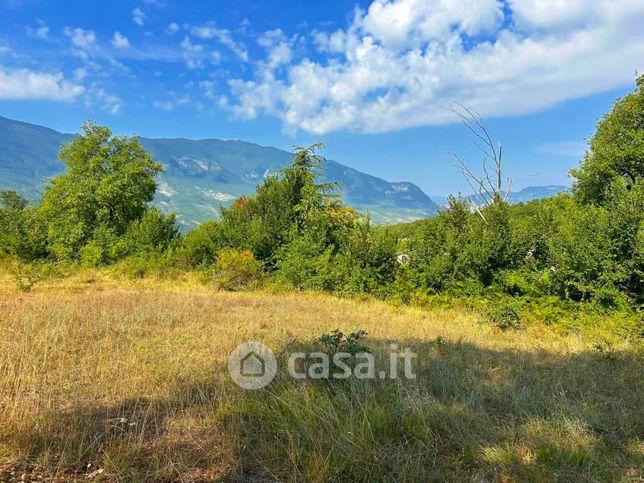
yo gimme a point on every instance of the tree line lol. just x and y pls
(295, 231)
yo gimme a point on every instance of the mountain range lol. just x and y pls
(201, 175)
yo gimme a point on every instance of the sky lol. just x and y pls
(375, 80)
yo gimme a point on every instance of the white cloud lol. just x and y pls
(192, 53)
(278, 48)
(170, 105)
(80, 73)
(97, 95)
(172, 28)
(27, 84)
(120, 41)
(83, 39)
(39, 32)
(405, 24)
(138, 17)
(401, 63)
(210, 31)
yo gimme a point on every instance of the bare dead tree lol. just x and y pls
(488, 188)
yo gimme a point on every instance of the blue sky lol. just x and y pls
(373, 80)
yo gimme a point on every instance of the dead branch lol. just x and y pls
(487, 188)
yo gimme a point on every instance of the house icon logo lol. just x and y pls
(252, 365)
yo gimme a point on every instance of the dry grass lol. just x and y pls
(128, 377)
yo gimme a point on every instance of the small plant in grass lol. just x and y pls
(28, 274)
(336, 341)
(606, 349)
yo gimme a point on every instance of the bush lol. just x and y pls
(200, 245)
(140, 265)
(153, 232)
(235, 270)
(28, 274)
(505, 315)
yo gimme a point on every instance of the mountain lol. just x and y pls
(535, 192)
(201, 175)
(527, 194)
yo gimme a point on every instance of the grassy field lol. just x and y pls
(122, 380)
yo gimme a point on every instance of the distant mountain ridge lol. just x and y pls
(201, 175)
(527, 194)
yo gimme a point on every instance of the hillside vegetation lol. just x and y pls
(527, 321)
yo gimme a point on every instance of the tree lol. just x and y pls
(21, 232)
(108, 183)
(286, 203)
(615, 151)
(488, 188)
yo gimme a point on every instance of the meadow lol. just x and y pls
(115, 379)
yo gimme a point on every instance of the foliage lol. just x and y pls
(22, 232)
(154, 231)
(200, 246)
(152, 264)
(337, 341)
(616, 150)
(29, 274)
(505, 315)
(588, 247)
(107, 184)
(235, 270)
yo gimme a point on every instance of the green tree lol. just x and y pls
(21, 232)
(108, 183)
(615, 151)
(153, 232)
(285, 205)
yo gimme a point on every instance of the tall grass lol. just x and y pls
(127, 381)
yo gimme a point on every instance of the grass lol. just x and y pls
(126, 380)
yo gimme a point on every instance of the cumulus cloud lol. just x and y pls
(27, 84)
(401, 63)
(172, 28)
(83, 39)
(278, 48)
(138, 17)
(120, 41)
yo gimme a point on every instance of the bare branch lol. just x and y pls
(488, 190)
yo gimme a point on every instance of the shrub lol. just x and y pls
(200, 245)
(158, 264)
(235, 270)
(336, 341)
(28, 274)
(505, 315)
(153, 232)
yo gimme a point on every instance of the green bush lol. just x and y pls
(200, 246)
(154, 231)
(505, 315)
(235, 270)
(155, 264)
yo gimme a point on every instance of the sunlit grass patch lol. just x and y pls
(130, 379)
